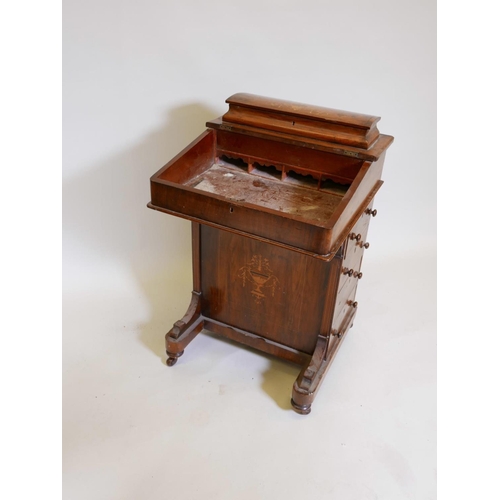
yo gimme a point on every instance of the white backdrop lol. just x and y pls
(140, 81)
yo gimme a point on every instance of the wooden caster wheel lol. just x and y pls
(173, 357)
(301, 409)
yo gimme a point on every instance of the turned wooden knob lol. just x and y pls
(347, 271)
(354, 304)
(371, 212)
(365, 245)
(355, 236)
(358, 275)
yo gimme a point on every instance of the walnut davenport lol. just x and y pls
(280, 196)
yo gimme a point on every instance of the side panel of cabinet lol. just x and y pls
(267, 290)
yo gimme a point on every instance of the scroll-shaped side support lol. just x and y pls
(310, 378)
(192, 314)
(184, 330)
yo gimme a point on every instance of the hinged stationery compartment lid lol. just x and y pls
(313, 122)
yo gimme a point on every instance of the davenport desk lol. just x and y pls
(280, 196)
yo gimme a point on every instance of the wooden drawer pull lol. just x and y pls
(371, 212)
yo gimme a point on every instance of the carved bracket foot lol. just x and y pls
(192, 314)
(184, 330)
(309, 380)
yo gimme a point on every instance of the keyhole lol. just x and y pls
(231, 209)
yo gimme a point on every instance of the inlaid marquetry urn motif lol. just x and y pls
(258, 274)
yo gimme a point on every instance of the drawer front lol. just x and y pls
(345, 302)
(354, 249)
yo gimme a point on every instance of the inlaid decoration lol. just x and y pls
(258, 275)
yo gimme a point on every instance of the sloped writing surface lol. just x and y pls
(280, 196)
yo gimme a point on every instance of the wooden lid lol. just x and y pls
(313, 122)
